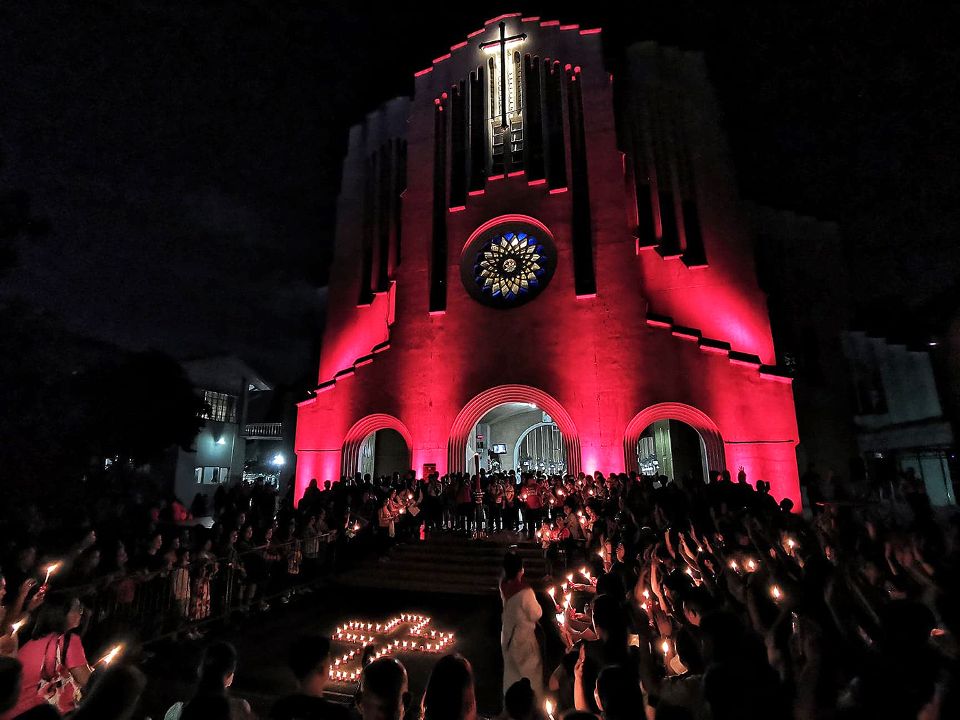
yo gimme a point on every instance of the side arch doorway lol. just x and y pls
(377, 445)
(675, 440)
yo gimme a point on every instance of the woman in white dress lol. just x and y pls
(518, 639)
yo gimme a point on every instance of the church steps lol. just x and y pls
(444, 564)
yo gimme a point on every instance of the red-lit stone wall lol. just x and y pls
(593, 363)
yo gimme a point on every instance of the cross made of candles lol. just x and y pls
(405, 633)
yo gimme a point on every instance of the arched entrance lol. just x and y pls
(360, 446)
(530, 407)
(517, 436)
(652, 435)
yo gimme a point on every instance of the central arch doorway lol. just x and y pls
(517, 436)
(560, 447)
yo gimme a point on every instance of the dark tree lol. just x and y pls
(140, 407)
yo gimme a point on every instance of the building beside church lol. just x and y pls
(243, 434)
(547, 267)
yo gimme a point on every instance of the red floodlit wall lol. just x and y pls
(658, 339)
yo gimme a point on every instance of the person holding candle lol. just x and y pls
(518, 640)
(55, 667)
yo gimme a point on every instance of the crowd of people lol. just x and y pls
(662, 599)
(693, 600)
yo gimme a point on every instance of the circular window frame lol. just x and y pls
(470, 259)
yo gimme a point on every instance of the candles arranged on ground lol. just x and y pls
(419, 638)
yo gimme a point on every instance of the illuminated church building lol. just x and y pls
(546, 266)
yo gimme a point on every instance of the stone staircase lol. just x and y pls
(446, 564)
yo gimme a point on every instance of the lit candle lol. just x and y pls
(601, 555)
(570, 578)
(566, 600)
(548, 706)
(776, 593)
(751, 565)
(111, 656)
(16, 626)
(791, 543)
(665, 646)
(734, 566)
(52, 568)
(552, 592)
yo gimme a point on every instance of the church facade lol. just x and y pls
(529, 229)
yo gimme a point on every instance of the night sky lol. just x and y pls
(185, 154)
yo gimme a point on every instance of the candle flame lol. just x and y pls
(16, 626)
(111, 656)
(665, 646)
(551, 591)
(548, 706)
(776, 592)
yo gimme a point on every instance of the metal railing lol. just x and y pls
(272, 430)
(148, 605)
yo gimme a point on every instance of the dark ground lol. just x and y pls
(262, 643)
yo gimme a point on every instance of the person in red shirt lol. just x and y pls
(532, 506)
(54, 660)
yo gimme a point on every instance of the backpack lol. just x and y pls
(58, 685)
